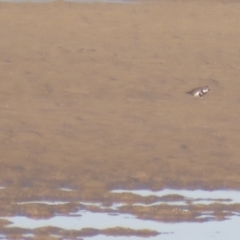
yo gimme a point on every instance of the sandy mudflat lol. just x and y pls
(92, 97)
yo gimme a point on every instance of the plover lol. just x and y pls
(199, 92)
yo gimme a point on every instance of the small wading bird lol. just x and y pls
(199, 92)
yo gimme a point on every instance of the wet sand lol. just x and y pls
(92, 97)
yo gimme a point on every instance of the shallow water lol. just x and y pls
(219, 230)
(112, 216)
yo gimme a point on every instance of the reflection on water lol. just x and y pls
(96, 215)
(189, 231)
(228, 229)
(84, 219)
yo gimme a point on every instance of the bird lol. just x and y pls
(199, 92)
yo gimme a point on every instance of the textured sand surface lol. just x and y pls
(92, 97)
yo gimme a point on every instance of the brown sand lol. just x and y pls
(92, 97)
